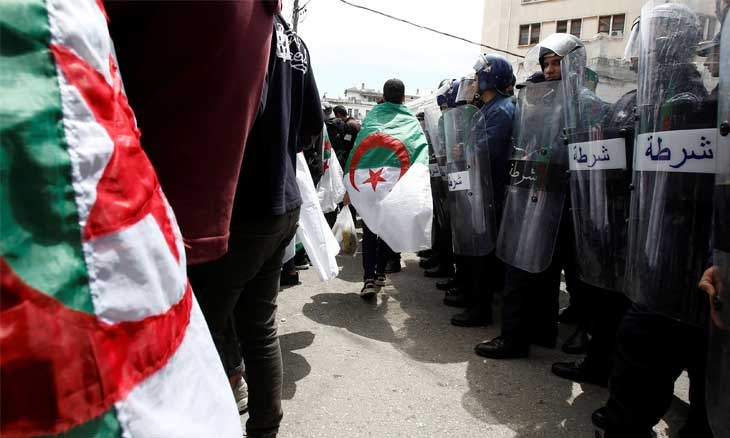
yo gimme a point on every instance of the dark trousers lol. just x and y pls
(607, 310)
(241, 293)
(375, 254)
(531, 301)
(581, 294)
(651, 352)
(482, 276)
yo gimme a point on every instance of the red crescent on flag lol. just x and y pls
(128, 189)
(62, 367)
(380, 140)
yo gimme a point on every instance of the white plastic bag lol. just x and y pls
(330, 189)
(313, 231)
(345, 232)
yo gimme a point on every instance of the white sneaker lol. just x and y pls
(380, 280)
(368, 290)
(240, 392)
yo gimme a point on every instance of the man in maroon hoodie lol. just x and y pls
(194, 72)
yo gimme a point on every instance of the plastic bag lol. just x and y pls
(345, 232)
(313, 231)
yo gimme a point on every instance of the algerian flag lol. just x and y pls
(330, 188)
(100, 333)
(388, 178)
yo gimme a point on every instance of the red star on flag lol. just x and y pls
(375, 178)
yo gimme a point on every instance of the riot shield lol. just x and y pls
(718, 362)
(437, 165)
(674, 165)
(537, 179)
(471, 201)
(599, 131)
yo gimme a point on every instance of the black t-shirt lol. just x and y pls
(291, 115)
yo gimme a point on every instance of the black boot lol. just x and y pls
(501, 348)
(577, 343)
(451, 283)
(580, 371)
(439, 271)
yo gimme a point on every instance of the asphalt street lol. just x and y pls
(395, 367)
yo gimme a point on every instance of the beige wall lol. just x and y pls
(502, 20)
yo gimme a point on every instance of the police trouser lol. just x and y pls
(441, 235)
(651, 352)
(530, 304)
(607, 310)
(482, 276)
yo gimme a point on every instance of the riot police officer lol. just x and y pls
(664, 330)
(474, 227)
(535, 239)
(600, 150)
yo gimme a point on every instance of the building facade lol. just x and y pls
(359, 101)
(603, 26)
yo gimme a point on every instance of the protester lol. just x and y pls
(389, 190)
(265, 214)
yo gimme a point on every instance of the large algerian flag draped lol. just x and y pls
(388, 178)
(100, 333)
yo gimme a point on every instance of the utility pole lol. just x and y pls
(295, 15)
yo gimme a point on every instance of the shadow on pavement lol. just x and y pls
(296, 366)
(522, 394)
(349, 311)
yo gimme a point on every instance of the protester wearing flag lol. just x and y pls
(100, 333)
(388, 183)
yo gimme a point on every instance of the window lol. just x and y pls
(529, 34)
(604, 24)
(562, 26)
(612, 24)
(575, 26)
(349, 112)
(535, 33)
(524, 34)
(617, 27)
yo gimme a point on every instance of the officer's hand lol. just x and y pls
(711, 283)
(346, 199)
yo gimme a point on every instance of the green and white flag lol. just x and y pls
(388, 178)
(100, 333)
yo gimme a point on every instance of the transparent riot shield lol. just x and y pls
(437, 164)
(471, 203)
(599, 130)
(537, 179)
(674, 164)
(718, 362)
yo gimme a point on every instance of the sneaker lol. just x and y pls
(368, 290)
(301, 261)
(289, 279)
(380, 280)
(240, 392)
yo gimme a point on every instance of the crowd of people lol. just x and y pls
(532, 183)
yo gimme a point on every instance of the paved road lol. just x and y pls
(397, 368)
